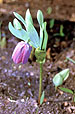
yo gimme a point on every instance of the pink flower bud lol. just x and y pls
(21, 52)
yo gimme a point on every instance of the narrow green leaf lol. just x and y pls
(42, 97)
(51, 23)
(45, 40)
(19, 17)
(44, 25)
(40, 17)
(66, 90)
(41, 36)
(45, 36)
(33, 34)
(61, 31)
(21, 34)
(28, 17)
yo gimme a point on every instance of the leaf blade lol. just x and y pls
(19, 17)
(66, 90)
(21, 34)
(42, 97)
(33, 34)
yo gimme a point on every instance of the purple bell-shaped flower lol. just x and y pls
(21, 52)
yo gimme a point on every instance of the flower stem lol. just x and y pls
(40, 82)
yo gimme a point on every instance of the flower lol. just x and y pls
(21, 52)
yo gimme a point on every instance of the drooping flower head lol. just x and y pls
(21, 52)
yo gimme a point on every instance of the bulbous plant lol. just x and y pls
(60, 78)
(30, 39)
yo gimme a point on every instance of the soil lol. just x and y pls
(19, 84)
(61, 9)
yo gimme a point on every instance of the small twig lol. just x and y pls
(56, 100)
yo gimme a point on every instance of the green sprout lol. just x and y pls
(60, 77)
(49, 10)
(61, 33)
(68, 91)
(51, 23)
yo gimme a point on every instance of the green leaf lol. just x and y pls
(42, 97)
(17, 24)
(66, 90)
(21, 34)
(45, 40)
(51, 23)
(40, 17)
(57, 80)
(28, 17)
(41, 36)
(33, 34)
(61, 31)
(64, 74)
(19, 17)
(49, 10)
(45, 36)
(60, 77)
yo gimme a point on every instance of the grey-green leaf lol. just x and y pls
(19, 17)
(66, 90)
(60, 77)
(17, 24)
(64, 74)
(57, 80)
(40, 17)
(33, 34)
(28, 17)
(21, 34)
